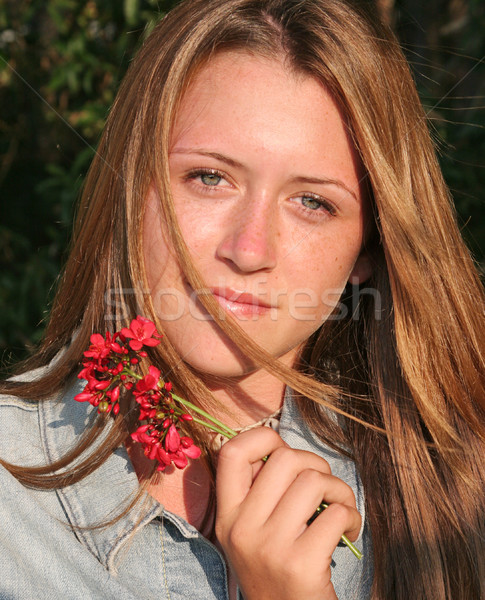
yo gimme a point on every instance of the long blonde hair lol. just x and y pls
(411, 380)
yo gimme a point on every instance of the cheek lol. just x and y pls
(318, 279)
(155, 252)
(200, 229)
(159, 258)
(324, 265)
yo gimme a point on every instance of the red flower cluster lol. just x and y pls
(104, 363)
(159, 435)
(166, 447)
(109, 366)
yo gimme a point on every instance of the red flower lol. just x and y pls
(99, 349)
(172, 439)
(178, 449)
(86, 396)
(174, 449)
(189, 448)
(87, 372)
(140, 434)
(149, 382)
(114, 394)
(143, 332)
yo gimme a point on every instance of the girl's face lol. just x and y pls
(266, 188)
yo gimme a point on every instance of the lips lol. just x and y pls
(240, 303)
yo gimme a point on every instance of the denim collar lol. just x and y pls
(102, 495)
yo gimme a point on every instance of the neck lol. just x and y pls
(248, 399)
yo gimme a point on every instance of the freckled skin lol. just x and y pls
(268, 133)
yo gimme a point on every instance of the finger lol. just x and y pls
(303, 496)
(235, 466)
(327, 529)
(281, 470)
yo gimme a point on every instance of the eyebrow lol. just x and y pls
(236, 164)
(325, 181)
(222, 157)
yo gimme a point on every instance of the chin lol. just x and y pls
(225, 362)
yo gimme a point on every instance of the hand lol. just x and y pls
(262, 514)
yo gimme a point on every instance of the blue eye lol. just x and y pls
(212, 179)
(311, 203)
(207, 179)
(314, 204)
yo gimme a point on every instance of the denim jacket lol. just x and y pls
(47, 551)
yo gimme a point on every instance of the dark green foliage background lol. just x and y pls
(60, 64)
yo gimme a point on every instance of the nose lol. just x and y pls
(249, 239)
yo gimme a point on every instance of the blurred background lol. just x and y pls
(60, 64)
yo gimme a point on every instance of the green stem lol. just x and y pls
(219, 426)
(211, 426)
(128, 371)
(355, 551)
(227, 431)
